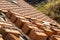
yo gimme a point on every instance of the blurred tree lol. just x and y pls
(48, 7)
(35, 1)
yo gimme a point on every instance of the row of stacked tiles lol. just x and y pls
(33, 27)
(8, 34)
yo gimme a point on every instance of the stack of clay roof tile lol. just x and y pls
(34, 28)
(24, 17)
(8, 31)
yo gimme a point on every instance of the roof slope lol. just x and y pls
(24, 9)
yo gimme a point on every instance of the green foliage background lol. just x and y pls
(49, 7)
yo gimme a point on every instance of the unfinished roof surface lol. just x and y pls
(20, 21)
